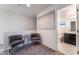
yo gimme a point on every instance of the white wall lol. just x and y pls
(48, 34)
(1, 37)
(12, 23)
(49, 38)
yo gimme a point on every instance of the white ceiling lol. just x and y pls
(24, 10)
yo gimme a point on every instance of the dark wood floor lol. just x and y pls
(38, 50)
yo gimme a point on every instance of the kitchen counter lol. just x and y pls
(71, 32)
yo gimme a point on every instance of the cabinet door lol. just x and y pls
(66, 38)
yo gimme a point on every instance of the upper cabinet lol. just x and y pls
(68, 12)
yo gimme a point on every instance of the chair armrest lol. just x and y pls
(16, 42)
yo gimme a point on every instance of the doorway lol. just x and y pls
(67, 30)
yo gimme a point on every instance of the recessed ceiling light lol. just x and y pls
(28, 5)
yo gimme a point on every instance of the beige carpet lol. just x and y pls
(38, 50)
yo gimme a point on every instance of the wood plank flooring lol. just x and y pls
(38, 50)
